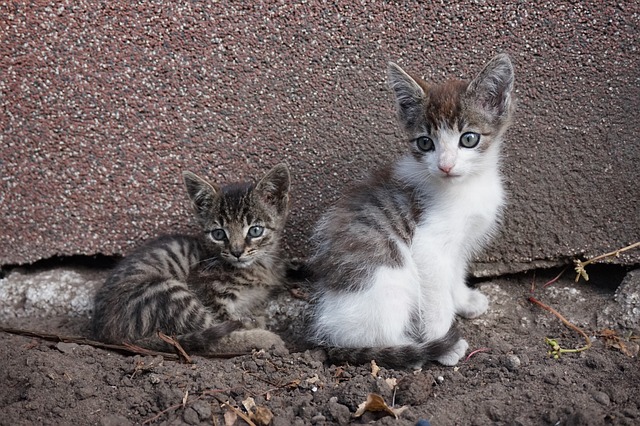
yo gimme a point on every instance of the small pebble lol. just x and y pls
(601, 397)
(423, 422)
(67, 348)
(512, 362)
(633, 348)
(440, 379)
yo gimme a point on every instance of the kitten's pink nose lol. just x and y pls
(445, 168)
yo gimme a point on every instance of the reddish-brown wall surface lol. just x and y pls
(103, 104)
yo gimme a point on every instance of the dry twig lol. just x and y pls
(548, 283)
(126, 348)
(579, 265)
(173, 342)
(557, 350)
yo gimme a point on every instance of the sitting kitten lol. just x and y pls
(201, 288)
(392, 255)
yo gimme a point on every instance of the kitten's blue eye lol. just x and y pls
(469, 140)
(425, 144)
(255, 231)
(218, 234)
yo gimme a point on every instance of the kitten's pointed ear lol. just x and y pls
(408, 93)
(273, 188)
(491, 89)
(201, 192)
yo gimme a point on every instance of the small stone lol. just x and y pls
(190, 416)
(551, 380)
(512, 362)
(601, 397)
(66, 348)
(85, 392)
(440, 379)
(632, 349)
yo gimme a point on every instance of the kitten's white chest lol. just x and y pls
(459, 218)
(454, 227)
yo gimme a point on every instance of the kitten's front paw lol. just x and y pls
(474, 305)
(453, 356)
(247, 340)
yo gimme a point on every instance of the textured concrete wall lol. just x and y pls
(103, 104)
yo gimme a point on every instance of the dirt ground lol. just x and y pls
(508, 377)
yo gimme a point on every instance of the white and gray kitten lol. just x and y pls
(392, 255)
(203, 288)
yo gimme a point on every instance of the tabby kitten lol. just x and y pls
(391, 256)
(203, 287)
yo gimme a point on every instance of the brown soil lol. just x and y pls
(509, 380)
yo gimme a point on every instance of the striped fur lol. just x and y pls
(391, 256)
(197, 287)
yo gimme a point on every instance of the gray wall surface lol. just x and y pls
(103, 104)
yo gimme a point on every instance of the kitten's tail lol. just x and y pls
(405, 356)
(199, 341)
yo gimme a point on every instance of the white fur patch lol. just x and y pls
(376, 316)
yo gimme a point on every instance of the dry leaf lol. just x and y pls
(392, 382)
(622, 348)
(143, 364)
(230, 418)
(261, 416)
(613, 340)
(375, 403)
(340, 374)
(249, 404)
(374, 368)
(608, 333)
(293, 384)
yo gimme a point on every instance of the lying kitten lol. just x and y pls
(204, 287)
(392, 255)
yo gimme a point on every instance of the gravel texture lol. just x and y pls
(103, 104)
